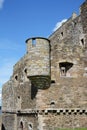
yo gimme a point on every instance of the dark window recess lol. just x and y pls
(21, 125)
(64, 67)
(18, 97)
(33, 42)
(30, 126)
(52, 103)
(63, 71)
(16, 77)
(62, 34)
(82, 42)
(25, 71)
(75, 23)
(52, 81)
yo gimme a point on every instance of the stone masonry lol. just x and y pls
(48, 87)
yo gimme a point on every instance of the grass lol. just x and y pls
(72, 129)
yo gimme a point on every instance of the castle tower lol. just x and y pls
(84, 15)
(84, 24)
(38, 50)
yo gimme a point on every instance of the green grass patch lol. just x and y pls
(72, 129)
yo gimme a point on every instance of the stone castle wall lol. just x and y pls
(48, 88)
(38, 50)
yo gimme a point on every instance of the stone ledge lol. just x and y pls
(49, 110)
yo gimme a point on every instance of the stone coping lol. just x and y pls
(37, 38)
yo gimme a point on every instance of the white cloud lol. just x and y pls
(1, 4)
(59, 24)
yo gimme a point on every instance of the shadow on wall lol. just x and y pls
(34, 91)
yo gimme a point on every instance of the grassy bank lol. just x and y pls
(72, 129)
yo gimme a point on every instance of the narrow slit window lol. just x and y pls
(16, 77)
(30, 126)
(25, 71)
(21, 125)
(82, 42)
(33, 42)
(63, 71)
(62, 34)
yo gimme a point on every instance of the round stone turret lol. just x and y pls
(38, 50)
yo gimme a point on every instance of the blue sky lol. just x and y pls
(21, 19)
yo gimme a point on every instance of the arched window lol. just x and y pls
(52, 104)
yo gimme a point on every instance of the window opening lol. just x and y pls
(25, 71)
(82, 42)
(30, 126)
(16, 77)
(52, 104)
(62, 34)
(18, 97)
(63, 71)
(21, 125)
(64, 67)
(52, 81)
(33, 42)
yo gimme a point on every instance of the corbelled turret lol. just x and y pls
(38, 50)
